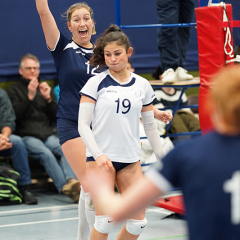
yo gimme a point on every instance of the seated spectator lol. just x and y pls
(183, 120)
(35, 106)
(13, 145)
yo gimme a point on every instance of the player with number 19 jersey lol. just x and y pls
(73, 69)
(115, 123)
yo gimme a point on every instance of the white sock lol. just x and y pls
(90, 211)
(83, 227)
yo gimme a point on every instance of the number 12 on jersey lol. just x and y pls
(233, 186)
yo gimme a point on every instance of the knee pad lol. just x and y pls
(136, 227)
(88, 202)
(103, 224)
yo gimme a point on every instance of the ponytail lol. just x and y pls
(112, 34)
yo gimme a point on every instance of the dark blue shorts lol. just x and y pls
(117, 165)
(67, 129)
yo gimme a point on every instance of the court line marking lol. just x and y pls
(38, 222)
(37, 209)
(157, 210)
(150, 209)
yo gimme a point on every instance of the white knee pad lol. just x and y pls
(136, 227)
(103, 224)
(88, 202)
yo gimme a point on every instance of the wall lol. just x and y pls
(21, 32)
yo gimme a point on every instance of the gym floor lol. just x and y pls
(56, 217)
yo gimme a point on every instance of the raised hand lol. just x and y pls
(45, 90)
(32, 88)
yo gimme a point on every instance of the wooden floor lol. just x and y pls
(55, 217)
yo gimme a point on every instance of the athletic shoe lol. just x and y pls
(28, 197)
(181, 75)
(168, 76)
(71, 188)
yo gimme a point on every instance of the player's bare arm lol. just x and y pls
(49, 25)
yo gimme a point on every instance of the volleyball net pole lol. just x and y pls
(215, 50)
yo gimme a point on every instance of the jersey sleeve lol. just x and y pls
(90, 88)
(60, 45)
(149, 94)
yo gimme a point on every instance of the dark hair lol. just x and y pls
(112, 34)
(157, 71)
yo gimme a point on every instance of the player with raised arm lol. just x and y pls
(71, 57)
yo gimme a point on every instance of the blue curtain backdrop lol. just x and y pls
(21, 33)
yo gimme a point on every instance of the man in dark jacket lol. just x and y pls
(13, 145)
(35, 107)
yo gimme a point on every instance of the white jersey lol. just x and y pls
(115, 123)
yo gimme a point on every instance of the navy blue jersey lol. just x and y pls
(208, 171)
(73, 69)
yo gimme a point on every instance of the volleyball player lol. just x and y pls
(71, 57)
(113, 101)
(207, 169)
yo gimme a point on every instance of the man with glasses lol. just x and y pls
(35, 106)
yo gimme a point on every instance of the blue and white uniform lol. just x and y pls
(115, 123)
(73, 69)
(208, 171)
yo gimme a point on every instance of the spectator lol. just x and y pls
(206, 169)
(35, 107)
(173, 42)
(13, 145)
(183, 120)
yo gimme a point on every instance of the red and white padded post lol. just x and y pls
(211, 40)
